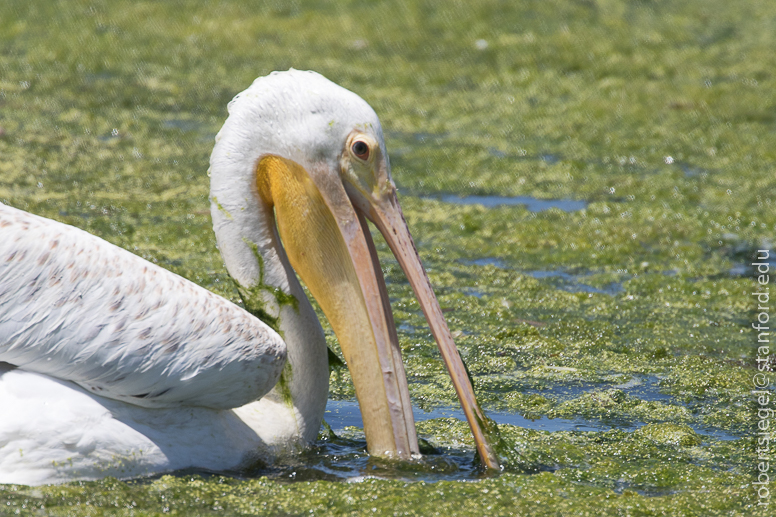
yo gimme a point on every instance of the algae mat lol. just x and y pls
(623, 305)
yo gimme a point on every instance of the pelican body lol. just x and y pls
(110, 365)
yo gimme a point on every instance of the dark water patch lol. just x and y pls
(747, 269)
(714, 433)
(91, 78)
(185, 125)
(473, 292)
(531, 203)
(82, 215)
(428, 137)
(457, 140)
(548, 158)
(563, 391)
(412, 138)
(691, 171)
(645, 388)
(341, 414)
(487, 261)
(407, 328)
(572, 282)
(745, 254)
(739, 270)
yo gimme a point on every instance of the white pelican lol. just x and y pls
(110, 365)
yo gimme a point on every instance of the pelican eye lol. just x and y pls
(360, 149)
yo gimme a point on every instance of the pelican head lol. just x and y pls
(298, 168)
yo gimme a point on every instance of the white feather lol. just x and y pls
(81, 309)
(121, 367)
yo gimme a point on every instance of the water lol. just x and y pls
(344, 457)
(205, 131)
(473, 292)
(571, 282)
(545, 157)
(341, 414)
(488, 261)
(645, 388)
(531, 203)
(562, 279)
(184, 125)
(746, 269)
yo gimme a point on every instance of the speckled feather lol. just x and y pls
(78, 308)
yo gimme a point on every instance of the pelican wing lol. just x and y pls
(78, 308)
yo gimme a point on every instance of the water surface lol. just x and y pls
(531, 203)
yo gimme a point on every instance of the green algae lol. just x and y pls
(283, 384)
(253, 299)
(659, 114)
(507, 495)
(222, 209)
(670, 434)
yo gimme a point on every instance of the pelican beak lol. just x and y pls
(373, 194)
(330, 248)
(386, 214)
(322, 224)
